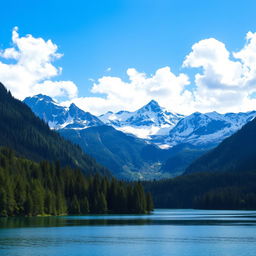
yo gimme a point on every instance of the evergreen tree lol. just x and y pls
(150, 203)
(30, 189)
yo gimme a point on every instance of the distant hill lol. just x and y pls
(125, 155)
(180, 157)
(30, 137)
(236, 153)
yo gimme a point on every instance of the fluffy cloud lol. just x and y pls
(164, 86)
(228, 80)
(27, 68)
(225, 81)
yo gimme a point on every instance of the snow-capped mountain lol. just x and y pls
(207, 129)
(59, 117)
(126, 156)
(147, 122)
(184, 138)
(151, 122)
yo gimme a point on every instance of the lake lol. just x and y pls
(165, 232)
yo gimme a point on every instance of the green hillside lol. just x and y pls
(236, 153)
(30, 137)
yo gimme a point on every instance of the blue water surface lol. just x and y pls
(165, 232)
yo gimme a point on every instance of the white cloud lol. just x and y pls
(164, 86)
(227, 80)
(56, 88)
(248, 54)
(32, 68)
(214, 58)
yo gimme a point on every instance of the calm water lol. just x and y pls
(166, 232)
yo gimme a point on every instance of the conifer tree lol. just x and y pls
(30, 189)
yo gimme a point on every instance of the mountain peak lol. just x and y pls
(43, 97)
(120, 112)
(3, 91)
(73, 106)
(151, 106)
(41, 101)
(2, 87)
(153, 103)
(74, 110)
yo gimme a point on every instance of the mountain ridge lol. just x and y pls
(151, 122)
(59, 117)
(191, 137)
(146, 122)
(30, 137)
(235, 153)
(208, 129)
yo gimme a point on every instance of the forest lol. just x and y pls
(206, 190)
(28, 188)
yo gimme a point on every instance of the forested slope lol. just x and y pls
(206, 190)
(30, 137)
(29, 189)
(237, 153)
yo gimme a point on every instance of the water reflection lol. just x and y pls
(159, 217)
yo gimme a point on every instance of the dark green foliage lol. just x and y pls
(125, 155)
(30, 137)
(131, 158)
(149, 202)
(223, 178)
(219, 190)
(180, 157)
(29, 189)
(236, 153)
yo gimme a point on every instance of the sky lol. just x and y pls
(118, 55)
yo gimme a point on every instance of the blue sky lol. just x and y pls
(145, 35)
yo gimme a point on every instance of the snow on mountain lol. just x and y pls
(152, 123)
(150, 120)
(59, 117)
(207, 129)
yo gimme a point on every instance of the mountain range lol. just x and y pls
(208, 130)
(124, 141)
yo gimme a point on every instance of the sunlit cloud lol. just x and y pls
(32, 69)
(225, 81)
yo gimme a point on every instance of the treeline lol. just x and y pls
(30, 189)
(218, 190)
